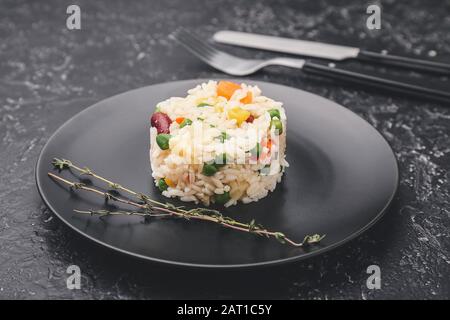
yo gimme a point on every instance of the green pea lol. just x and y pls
(203, 105)
(209, 169)
(222, 198)
(220, 160)
(162, 185)
(186, 122)
(274, 113)
(278, 126)
(162, 140)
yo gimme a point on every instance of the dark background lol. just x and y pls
(49, 73)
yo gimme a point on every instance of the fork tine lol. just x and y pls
(190, 38)
(215, 58)
(197, 46)
(193, 49)
(201, 44)
(187, 44)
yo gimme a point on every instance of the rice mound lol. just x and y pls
(254, 151)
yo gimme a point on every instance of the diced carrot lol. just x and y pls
(169, 182)
(269, 144)
(265, 154)
(248, 98)
(179, 120)
(227, 88)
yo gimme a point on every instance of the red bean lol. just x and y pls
(250, 119)
(161, 122)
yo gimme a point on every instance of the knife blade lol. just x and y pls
(287, 45)
(327, 51)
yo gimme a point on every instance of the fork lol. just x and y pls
(236, 66)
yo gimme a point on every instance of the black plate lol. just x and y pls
(342, 177)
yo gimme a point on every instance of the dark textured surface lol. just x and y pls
(49, 73)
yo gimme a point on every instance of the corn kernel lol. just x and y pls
(239, 114)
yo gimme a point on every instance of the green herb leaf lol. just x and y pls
(114, 186)
(312, 239)
(78, 185)
(186, 122)
(223, 136)
(209, 169)
(252, 225)
(280, 237)
(86, 171)
(61, 164)
(222, 198)
(162, 185)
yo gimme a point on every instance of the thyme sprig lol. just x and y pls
(150, 208)
(62, 164)
(105, 213)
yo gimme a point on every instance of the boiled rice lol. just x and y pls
(242, 178)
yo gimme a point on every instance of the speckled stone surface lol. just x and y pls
(48, 74)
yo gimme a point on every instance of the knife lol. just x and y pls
(325, 50)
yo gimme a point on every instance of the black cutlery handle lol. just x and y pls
(378, 82)
(411, 63)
